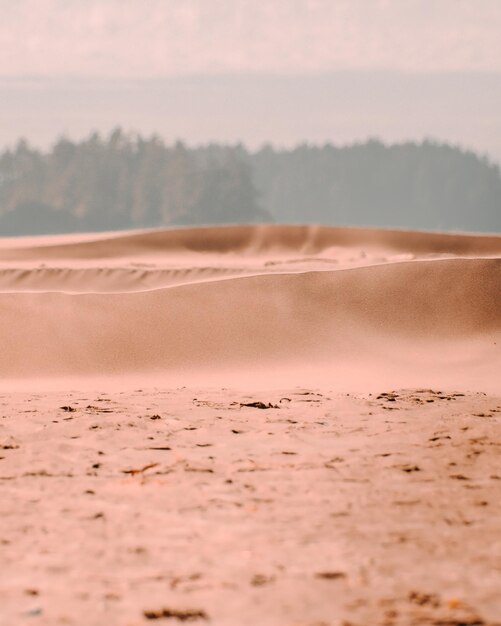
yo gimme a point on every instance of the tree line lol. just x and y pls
(126, 181)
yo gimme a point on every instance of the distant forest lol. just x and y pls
(124, 181)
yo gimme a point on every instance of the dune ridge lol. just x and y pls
(72, 280)
(256, 239)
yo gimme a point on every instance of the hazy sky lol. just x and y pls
(283, 71)
(158, 38)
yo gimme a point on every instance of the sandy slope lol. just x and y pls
(325, 509)
(198, 302)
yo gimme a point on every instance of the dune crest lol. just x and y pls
(252, 239)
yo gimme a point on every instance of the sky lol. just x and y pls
(159, 38)
(282, 71)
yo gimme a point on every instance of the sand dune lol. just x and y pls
(242, 299)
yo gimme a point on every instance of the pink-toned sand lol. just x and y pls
(137, 486)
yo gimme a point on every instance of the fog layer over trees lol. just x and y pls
(125, 181)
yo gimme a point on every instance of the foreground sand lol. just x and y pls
(325, 509)
(138, 487)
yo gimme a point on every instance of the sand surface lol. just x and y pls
(363, 488)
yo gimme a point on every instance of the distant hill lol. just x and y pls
(124, 181)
